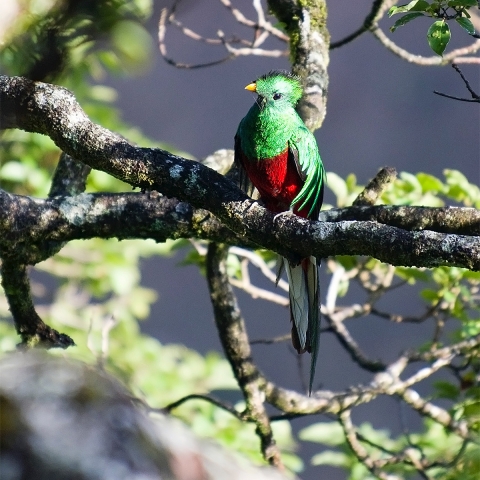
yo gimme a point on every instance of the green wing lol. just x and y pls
(310, 167)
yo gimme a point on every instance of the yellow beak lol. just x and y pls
(252, 87)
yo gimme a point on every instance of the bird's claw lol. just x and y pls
(288, 213)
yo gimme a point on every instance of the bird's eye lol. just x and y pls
(277, 96)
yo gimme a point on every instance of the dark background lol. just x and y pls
(381, 111)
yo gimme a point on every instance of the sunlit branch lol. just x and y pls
(451, 57)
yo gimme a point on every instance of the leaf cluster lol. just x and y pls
(438, 34)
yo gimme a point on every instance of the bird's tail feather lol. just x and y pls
(304, 309)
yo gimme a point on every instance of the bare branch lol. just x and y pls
(257, 292)
(359, 450)
(439, 415)
(461, 220)
(475, 96)
(235, 343)
(379, 7)
(351, 346)
(258, 262)
(451, 57)
(195, 396)
(395, 318)
(261, 22)
(271, 341)
(244, 51)
(70, 177)
(262, 30)
(162, 28)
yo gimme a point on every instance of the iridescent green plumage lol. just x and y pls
(279, 156)
(273, 124)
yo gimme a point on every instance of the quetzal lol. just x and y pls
(277, 154)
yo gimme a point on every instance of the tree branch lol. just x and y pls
(36, 229)
(374, 189)
(54, 111)
(475, 96)
(70, 177)
(233, 336)
(28, 324)
(379, 7)
(455, 220)
(452, 57)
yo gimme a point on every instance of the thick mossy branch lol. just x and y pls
(29, 325)
(53, 111)
(455, 220)
(35, 229)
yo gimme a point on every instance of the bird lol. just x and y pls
(276, 154)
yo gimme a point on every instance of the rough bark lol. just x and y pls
(54, 111)
(197, 202)
(306, 24)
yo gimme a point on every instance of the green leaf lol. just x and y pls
(347, 261)
(336, 459)
(405, 19)
(471, 328)
(14, 171)
(466, 24)
(462, 3)
(411, 274)
(438, 36)
(338, 186)
(474, 276)
(415, 5)
(328, 433)
(411, 181)
(429, 183)
(446, 390)
(429, 295)
(133, 43)
(351, 182)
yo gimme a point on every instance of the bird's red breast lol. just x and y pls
(276, 179)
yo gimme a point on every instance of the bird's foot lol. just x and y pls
(287, 213)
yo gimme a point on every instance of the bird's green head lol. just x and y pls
(277, 89)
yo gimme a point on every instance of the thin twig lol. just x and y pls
(196, 396)
(258, 262)
(270, 341)
(450, 57)
(379, 7)
(475, 96)
(351, 346)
